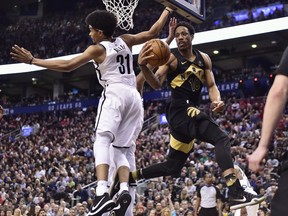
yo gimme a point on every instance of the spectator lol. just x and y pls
(81, 194)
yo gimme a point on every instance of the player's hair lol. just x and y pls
(102, 20)
(187, 25)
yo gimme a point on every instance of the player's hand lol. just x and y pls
(143, 55)
(217, 106)
(21, 54)
(172, 25)
(256, 158)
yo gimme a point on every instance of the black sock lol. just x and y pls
(137, 174)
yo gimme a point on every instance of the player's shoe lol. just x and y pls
(115, 186)
(122, 203)
(101, 205)
(240, 198)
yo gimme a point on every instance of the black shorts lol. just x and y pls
(208, 212)
(188, 123)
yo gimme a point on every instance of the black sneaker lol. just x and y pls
(115, 186)
(241, 198)
(122, 201)
(101, 205)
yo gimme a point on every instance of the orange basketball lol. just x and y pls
(161, 52)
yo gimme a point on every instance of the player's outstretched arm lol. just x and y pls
(22, 55)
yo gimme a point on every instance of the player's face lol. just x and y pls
(95, 34)
(183, 38)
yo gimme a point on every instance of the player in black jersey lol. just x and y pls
(187, 71)
(275, 104)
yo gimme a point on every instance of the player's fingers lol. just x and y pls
(14, 54)
(146, 47)
(147, 57)
(146, 52)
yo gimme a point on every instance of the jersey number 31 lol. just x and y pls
(125, 63)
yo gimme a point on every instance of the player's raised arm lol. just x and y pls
(153, 32)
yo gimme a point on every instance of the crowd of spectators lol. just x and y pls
(48, 169)
(58, 34)
(46, 172)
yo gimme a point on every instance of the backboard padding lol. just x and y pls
(192, 11)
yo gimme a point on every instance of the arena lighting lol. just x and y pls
(200, 38)
(254, 46)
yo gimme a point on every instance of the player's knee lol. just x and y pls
(102, 143)
(174, 167)
(119, 158)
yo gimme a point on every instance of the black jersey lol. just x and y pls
(187, 80)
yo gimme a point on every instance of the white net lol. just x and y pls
(123, 9)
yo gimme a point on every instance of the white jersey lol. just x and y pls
(118, 64)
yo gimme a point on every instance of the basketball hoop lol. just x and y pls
(123, 9)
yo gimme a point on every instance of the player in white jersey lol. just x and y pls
(120, 108)
(244, 181)
(140, 80)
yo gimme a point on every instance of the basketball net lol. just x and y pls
(123, 9)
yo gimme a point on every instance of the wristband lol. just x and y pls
(142, 65)
(168, 10)
(31, 60)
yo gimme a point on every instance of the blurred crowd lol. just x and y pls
(245, 74)
(57, 34)
(50, 169)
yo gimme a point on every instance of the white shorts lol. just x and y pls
(120, 112)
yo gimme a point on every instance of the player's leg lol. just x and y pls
(124, 147)
(122, 198)
(132, 163)
(279, 202)
(129, 212)
(180, 147)
(244, 182)
(171, 166)
(111, 174)
(107, 124)
(208, 131)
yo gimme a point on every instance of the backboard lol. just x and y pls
(193, 10)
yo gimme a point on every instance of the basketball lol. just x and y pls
(161, 52)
